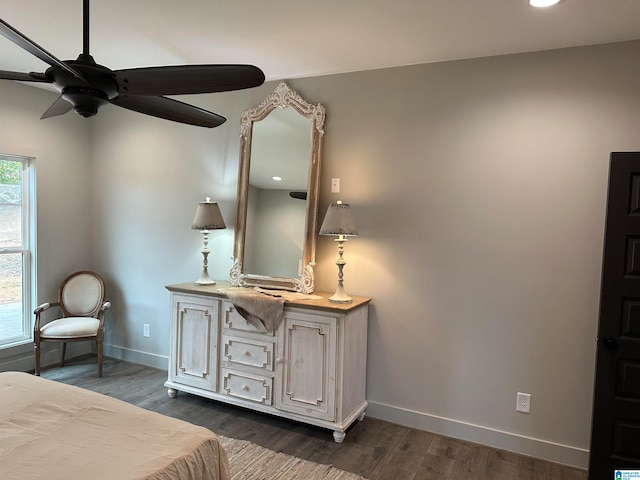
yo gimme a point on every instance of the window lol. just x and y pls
(17, 246)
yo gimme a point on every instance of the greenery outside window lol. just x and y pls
(17, 247)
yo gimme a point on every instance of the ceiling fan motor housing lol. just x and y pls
(88, 94)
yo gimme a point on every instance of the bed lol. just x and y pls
(53, 431)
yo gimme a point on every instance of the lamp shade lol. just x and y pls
(208, 217)
(339, 221)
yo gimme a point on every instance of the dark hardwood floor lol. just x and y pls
(375, 449)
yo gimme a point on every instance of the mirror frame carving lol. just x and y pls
(281, 97)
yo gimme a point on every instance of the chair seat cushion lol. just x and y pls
(71, 327)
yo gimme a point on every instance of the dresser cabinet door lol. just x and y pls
(194, 334)
(306, 366)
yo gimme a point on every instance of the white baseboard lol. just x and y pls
(534, 447)
(26, 363)
(136, 356)
(23, 360)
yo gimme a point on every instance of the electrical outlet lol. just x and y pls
(523, 402)
(146, 330)
(335, 185)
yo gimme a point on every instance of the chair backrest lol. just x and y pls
(81, 294)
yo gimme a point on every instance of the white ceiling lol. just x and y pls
(301, 38)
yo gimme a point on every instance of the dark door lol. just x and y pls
(615, 436)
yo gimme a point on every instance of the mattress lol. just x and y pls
(54, 431)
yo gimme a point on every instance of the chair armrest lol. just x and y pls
(41, 308)
(104, 306)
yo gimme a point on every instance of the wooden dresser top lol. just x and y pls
(323, 303)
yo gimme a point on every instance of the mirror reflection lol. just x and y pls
(276, 220)
(277, 204)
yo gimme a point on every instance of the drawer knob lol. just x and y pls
(278, 360)
(246, 353)
(245, 388)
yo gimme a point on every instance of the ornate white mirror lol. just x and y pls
(278, 180)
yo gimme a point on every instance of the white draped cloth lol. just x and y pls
(260, 307)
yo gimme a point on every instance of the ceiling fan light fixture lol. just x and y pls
(85, 101)
(543, 3)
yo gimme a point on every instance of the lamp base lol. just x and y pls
(205, 280)
(340, 296)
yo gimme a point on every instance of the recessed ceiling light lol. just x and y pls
(543, 3)
(276, 178)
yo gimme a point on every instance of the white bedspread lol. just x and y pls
(52, 431)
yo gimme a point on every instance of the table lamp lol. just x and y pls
(208, 217)
(339, 221)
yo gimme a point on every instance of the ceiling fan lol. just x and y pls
(85, 86)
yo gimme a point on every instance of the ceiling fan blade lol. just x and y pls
(169, 109)
(24, 77)
(298, 195)
(187, 79)
(33, 48)
(59, 107)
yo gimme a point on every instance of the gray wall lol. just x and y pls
(479, 191)
(61, 148)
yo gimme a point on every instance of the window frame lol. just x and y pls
(27, 249)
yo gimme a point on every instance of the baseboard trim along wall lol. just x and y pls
(27, 363)
(23, 359)
(136, 356)
(534, 447)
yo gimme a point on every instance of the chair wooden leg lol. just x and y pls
(62, 353)
(36, 348)
(99, 348)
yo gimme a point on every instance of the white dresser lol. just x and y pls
(311, 369)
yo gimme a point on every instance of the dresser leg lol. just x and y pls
(338, 436)
(172, 392)
(361, 417)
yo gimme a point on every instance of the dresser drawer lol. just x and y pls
(254, 388)
(247, 352)
(232, 320)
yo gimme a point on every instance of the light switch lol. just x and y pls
(335, 185)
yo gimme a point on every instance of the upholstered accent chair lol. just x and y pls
(81, 299)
